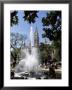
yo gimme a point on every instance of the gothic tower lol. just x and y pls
(36, 38)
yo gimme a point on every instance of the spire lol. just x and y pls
(36, 31)
(36, 38)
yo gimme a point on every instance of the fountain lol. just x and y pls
(29, 67)
(30, 63)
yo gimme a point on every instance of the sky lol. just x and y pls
(23, 27)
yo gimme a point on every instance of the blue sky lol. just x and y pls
(23, 27)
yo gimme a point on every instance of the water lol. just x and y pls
(30, 62)
(29, 66)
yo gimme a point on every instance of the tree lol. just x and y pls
(52, 25)
(16, 42)
(52, 29)
(56, 45)
(45, 52)
(13, 18)
(30, 16)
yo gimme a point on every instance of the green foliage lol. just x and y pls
(52, 34)
(52, 30)
(14, 53)
(30, 16)
(52, 25)
(45, 52)
(13, 18)
(17, 42)
(51, 18)
(56, 45)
